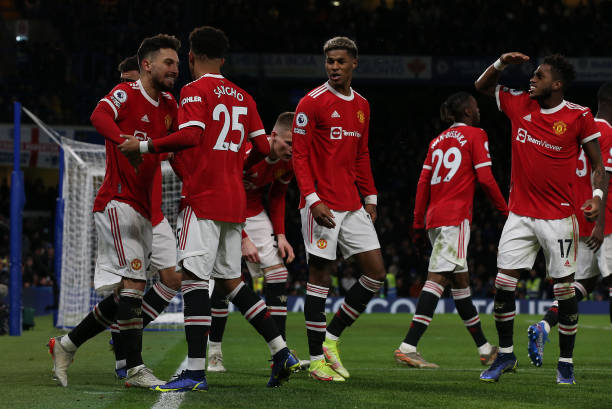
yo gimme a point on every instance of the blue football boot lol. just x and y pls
(185, 381)
(505, 362)
(565, 373)
(535, 347)
(283, 364)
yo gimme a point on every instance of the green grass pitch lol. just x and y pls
(367, 352)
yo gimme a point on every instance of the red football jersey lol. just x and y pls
(278, 175)
(545, 145)
(584, 190)
(330, 148)
(451, 163)
(135, 113)
(228, 115)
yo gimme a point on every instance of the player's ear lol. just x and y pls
(191, 57)
(355, 62)
(222, 61)
(557, 85)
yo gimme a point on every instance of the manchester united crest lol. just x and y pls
(168, 122)
(321, 243)
(559, 127)
(361, 116)
(136, 264)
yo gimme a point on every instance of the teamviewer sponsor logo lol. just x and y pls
(335, 132)
(522, 136)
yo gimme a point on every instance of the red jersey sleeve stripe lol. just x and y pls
(257, 133)
(480, 165)
(427, 167)
(111, 105)
(497, 90)
(591, 137)
(192, 123)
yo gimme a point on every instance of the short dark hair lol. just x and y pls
(561, 69)
(128, 64)
(153, 44)
(284, 120)
(452, 109)
(207, 41)
(605, 92)
(341, 43)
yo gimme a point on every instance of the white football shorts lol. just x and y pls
(354, 233)
(260, 231)
(208, 248)
(124, 245)
(449, 248)
(523, 237)
(164, 246)
(591, 264)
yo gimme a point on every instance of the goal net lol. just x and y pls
(84, 167)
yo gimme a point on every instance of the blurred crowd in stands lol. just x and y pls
(70, 61)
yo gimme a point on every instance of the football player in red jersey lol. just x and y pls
(455, 160)
(122, 209)
(216, 118)
(331, 162)
(547, 132)
(163, 250)
(263, 254)
(595, 245)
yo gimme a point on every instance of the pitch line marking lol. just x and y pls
(171, 400)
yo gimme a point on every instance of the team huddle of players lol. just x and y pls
(215, 142)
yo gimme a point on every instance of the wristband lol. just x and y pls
(598, 193)
(144, 146)
(370, 199)
(499, 65)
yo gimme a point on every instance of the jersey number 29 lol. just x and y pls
(451, 159)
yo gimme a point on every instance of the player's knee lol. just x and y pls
(378, 275)
(171, 279)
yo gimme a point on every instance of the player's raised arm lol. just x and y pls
(486, 83)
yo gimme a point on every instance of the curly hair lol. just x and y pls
(207, 41)
(561, 69)
(451, 110)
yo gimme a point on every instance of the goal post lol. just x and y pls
(83, 173)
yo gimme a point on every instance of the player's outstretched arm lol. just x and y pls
(486, 83)
(491, 188)
(592, 207)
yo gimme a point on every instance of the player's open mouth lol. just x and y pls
(334, 77)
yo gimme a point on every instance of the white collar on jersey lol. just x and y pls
(553, 109)
(603, 120)
(339, 95)
(212, 75)
(458, 124)
(144, 94)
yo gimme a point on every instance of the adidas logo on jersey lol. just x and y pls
(335, 114)
(527, 117)
(145, 118)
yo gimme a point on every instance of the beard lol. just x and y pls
(545, 94)
(160, 85)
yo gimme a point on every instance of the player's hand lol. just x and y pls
(514, 58)
(371, 209)
(284, 248)
(596, 238)
(131, 144)
(249, 251)
(323, 216)
(591, 208)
